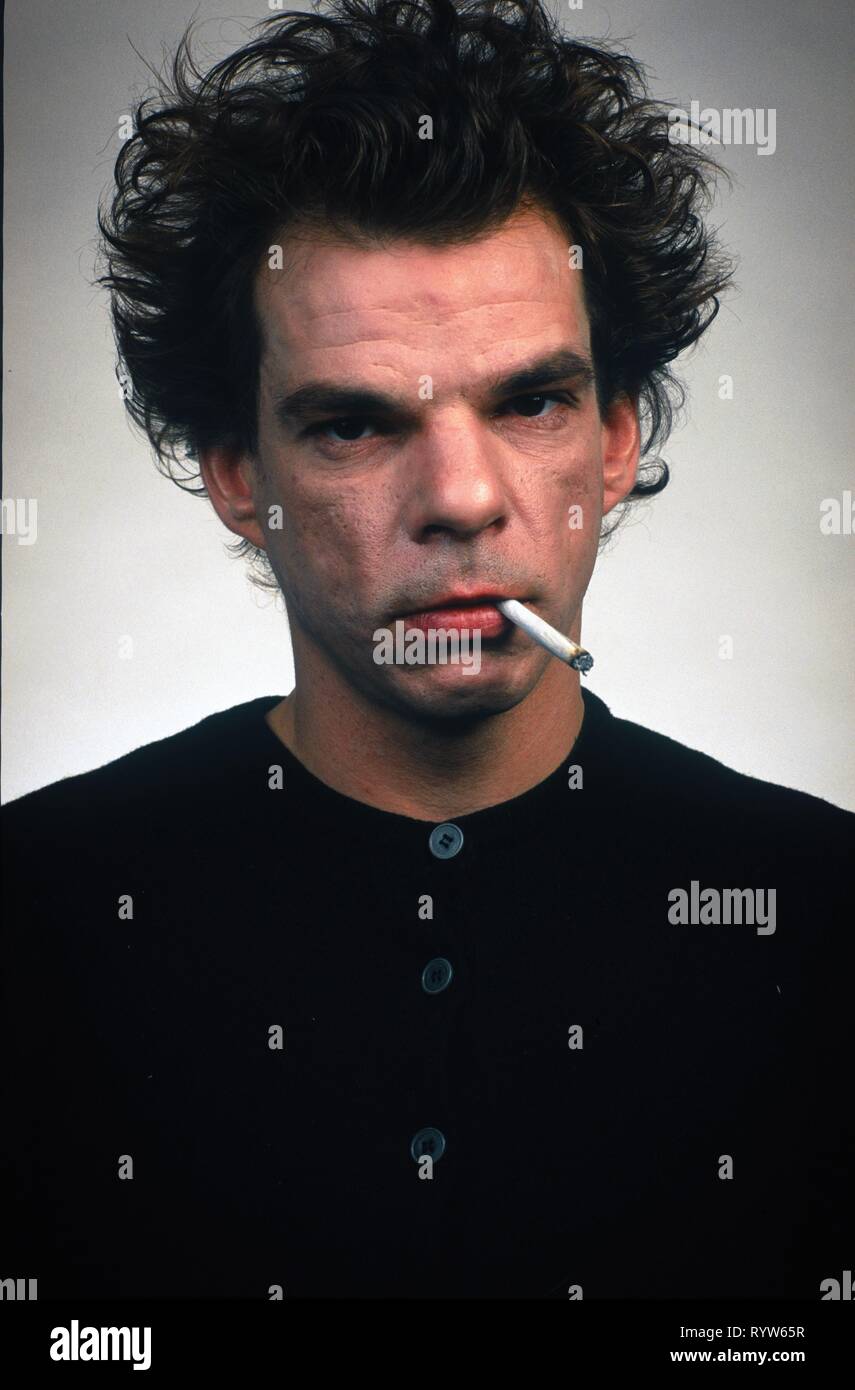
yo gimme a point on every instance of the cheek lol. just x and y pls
(584, 510)
(585, 474)
(330, 543)
(565, 493)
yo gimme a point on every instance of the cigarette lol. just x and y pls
(548, 636)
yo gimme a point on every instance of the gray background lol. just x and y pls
(732, 547)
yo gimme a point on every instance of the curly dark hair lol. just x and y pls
(316, 122)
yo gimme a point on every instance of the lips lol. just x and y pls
(477, 613)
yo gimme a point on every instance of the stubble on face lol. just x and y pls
(453, 486)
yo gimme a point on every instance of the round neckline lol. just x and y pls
(319, 798)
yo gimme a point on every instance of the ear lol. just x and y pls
(231, 480)
(621, 447)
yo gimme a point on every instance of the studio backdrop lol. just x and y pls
(720, 613)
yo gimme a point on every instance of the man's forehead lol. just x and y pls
(331, 292)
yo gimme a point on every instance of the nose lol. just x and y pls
(455, 481)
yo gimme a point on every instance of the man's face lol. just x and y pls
(453, 481)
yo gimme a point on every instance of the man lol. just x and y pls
(430, 978)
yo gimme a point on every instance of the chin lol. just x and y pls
(456, 695)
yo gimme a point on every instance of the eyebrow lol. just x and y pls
(338, 399)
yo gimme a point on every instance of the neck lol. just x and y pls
(427, 770)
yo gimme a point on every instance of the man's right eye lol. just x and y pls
(343, 425)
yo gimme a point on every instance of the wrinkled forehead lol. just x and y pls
(326, 294)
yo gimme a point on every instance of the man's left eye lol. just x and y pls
(520, 403)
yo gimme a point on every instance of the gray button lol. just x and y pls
(446, 840)
(428, 1141)
(436, 975)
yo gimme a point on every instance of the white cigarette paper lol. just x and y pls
(548, 636)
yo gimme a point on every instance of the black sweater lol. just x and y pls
(240, 1008)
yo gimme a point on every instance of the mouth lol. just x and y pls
(470, 612)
